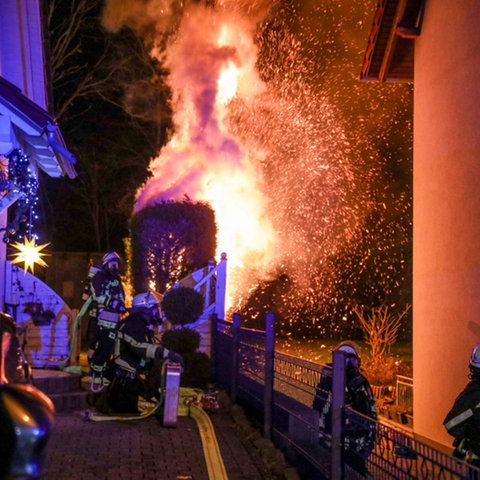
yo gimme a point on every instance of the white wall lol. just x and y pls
(21, 63)
(21, 51)
(446, 254)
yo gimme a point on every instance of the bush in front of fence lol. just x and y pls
(197, 371)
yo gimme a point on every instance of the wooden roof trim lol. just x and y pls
(377, 20)
(390, 47)
(390, 51)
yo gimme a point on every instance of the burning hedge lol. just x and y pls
(169, 241)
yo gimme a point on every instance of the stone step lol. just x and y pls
(55, 381)
(63, 388)
(69, 401)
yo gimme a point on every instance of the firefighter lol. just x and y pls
(107, 304)
(136, 353)
(359, 436)
(463, 420)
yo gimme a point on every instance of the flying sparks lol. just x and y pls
(275, 133)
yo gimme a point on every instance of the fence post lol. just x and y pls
(213, 345)
(235, 354)
(338, 403)
(269, 374)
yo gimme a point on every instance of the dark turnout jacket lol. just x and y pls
(463, 420)
(358, 396)
(135, 346)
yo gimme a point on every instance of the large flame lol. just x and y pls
(230, 129)
(260, 134)
(210, 65)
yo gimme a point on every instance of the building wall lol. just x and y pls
(446, 299)
(21, 63)
(67, 272)
(21, 51)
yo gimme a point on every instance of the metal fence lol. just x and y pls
(279, 389)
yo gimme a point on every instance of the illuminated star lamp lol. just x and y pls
(29, 254)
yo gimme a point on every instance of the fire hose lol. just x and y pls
(211, 450)
(179, 401)
(64, 364)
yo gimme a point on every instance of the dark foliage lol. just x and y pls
(170, 241)
(182, 305)
(98, 110)
(182, 340)
(197, 371)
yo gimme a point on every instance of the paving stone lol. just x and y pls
(143, 449)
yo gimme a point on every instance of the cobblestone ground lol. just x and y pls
(143, 449)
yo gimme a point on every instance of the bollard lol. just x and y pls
(172, 388)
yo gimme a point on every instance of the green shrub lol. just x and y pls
(182, 305)
(197, 370)
(168, 241)
(182, 340)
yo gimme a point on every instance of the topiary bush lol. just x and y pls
(182, 340)
(197, 372)
(182, 305)
(168, 241)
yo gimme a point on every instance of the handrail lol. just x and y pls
(208, 274)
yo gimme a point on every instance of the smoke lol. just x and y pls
(263, 115)
(211, 59)
(231, 128)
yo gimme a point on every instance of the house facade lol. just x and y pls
(30, 142)
(435, 44)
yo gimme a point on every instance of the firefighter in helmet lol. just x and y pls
(108, 303)
(137, 351)
(359, 434)
(463, 420)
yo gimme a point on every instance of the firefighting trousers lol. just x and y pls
(103, 349)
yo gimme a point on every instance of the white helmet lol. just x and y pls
(147, 300)
(350, 348)
(110, 257)
(111, 262)
(475, 357)
(352, 354)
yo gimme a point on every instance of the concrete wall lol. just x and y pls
(446, 276)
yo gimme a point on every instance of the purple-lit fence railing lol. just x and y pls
(279, 390)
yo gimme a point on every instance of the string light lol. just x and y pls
(21, 180)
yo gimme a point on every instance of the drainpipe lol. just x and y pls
(56, 147)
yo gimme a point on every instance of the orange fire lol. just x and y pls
(212, 63)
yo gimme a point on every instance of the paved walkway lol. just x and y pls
(144, 449)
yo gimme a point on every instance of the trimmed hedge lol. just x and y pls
(169, 241)
(182, 305)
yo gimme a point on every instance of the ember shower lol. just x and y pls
(273, 129)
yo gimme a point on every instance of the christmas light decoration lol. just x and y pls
(29, 254)
(19, 178)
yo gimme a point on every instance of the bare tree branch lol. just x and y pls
(380, 328)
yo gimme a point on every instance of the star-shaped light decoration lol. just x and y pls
(29, 254)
